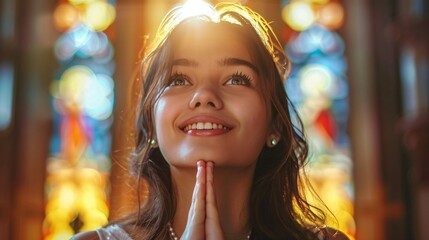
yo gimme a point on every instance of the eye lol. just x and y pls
(239, 78)
(179, 79)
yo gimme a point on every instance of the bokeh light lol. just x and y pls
(316, 80)
(331, 15)
(79, 87)
(65, 16)
(298, 15)
(314, 41)
(82, 42)
(320, 2)
(81, 2)
(99, 15)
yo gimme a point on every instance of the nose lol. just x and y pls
(206, 97)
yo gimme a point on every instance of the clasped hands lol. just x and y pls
(203, 218)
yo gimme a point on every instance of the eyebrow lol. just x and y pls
(223, 62)
(238, 62)
(185, 62)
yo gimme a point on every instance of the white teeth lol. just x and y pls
(204, 125)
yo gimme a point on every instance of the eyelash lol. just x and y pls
(246, 79)
(178, 76)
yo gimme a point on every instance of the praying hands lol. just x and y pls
(203, 219)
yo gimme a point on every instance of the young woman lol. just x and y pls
(216, 144)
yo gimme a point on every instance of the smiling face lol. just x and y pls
(213, 108)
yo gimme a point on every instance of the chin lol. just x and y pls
(188, 155)
(219, 161)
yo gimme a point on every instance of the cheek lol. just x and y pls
(255, 114)
(168, 135)
(255, 119)
(163, 115)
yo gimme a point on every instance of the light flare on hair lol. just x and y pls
(223, 12)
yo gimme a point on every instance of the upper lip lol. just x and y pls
(204, 118)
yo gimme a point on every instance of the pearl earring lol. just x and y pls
(273, 142)
(152, 142)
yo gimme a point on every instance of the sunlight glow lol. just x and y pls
(195, 8)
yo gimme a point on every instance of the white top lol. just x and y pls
(112, 232)
(115, 232)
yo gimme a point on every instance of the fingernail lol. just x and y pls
(201, 163)
(199, 166)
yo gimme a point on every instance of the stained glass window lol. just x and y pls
(82, 103)
(318, 87)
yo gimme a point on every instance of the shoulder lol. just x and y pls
(89, 235)
(333, 234)
(109, 232)
(328, 233)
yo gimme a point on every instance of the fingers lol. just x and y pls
(212, 224)
(210, 193)
(203, 217)
(195, 226)
(199, 194)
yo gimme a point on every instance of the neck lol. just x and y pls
(232, 189)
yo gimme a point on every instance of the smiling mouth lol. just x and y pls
(205, 126)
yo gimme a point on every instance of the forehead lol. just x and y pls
(201, 38)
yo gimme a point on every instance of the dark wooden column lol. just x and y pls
(377, 31)
(25, 143)
(34, 73)
(8, 128)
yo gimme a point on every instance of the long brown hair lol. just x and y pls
(279, 209)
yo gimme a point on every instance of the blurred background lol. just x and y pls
(360, 81)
